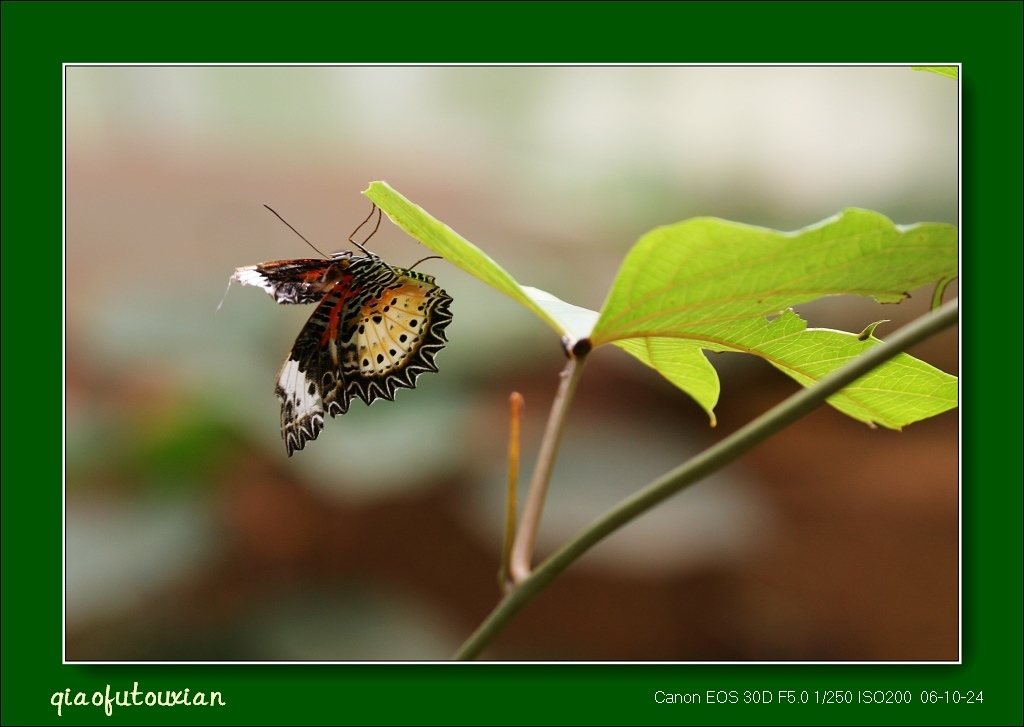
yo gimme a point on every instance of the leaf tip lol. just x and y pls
(870, 330)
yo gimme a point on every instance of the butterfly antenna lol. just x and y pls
(225, 294)
(428, 257)
(351, 238)
(294, 230)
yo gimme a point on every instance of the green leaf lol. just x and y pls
(947, 71)
(567, 319)
(712, 284)
(695, 279)
(899, 392)
(681, 362)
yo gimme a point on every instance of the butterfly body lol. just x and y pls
(374, 330)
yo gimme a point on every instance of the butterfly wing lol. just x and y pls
(294, 281)
(375, 332)
(392, 337)
(302, 414)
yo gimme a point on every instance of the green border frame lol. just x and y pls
(38, 37)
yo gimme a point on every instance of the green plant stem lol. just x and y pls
(712, 459)
(526, 535)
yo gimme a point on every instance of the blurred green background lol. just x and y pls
(191, 536)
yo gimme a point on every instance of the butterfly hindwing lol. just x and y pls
(302, 414)
(395, 336)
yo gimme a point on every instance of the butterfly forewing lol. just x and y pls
(295, 281)
(374, 331)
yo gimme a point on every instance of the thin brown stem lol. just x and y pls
(522, 550)
(511, 494)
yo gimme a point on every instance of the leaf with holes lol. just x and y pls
(713, 285)
(710, 284)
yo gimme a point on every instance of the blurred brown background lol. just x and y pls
(191, 536)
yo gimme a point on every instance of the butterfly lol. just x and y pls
(374, 330)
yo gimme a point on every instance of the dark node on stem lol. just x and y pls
(581, 348)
